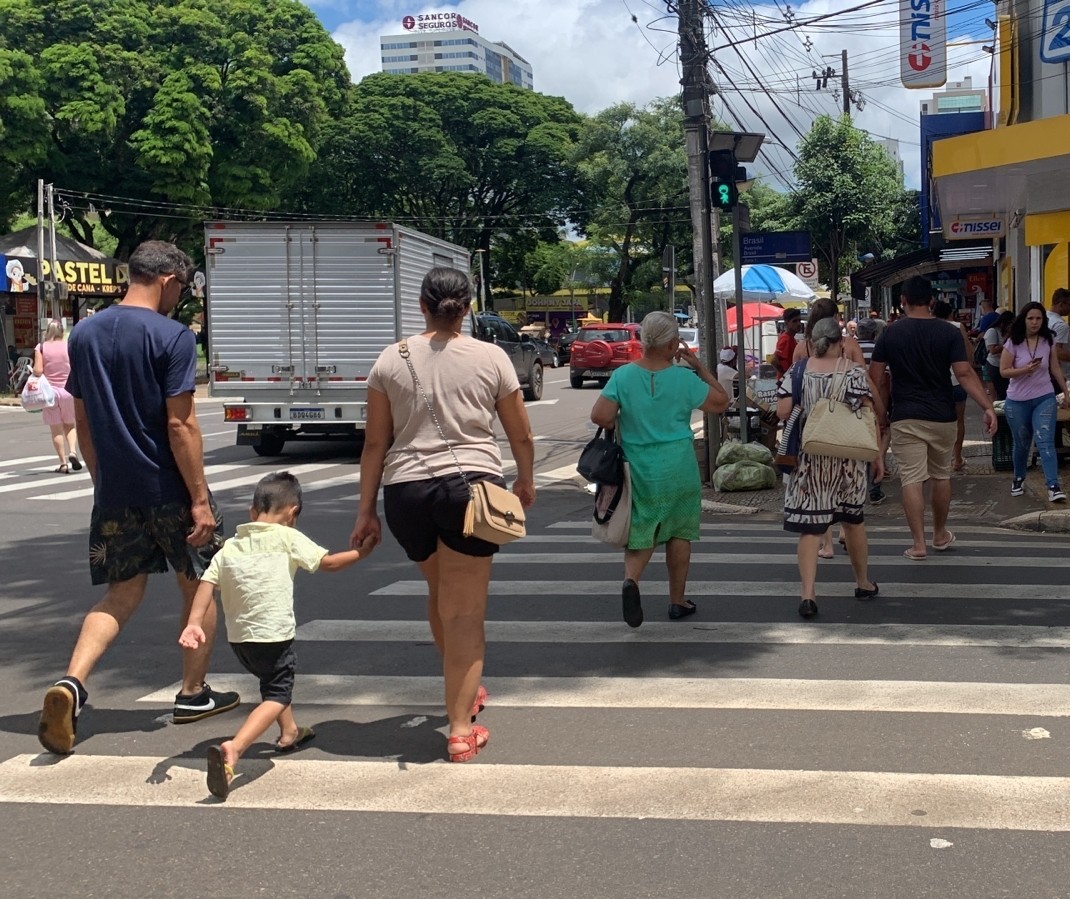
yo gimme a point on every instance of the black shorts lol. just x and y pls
(274, 663)
(133, 540)
(420, 513)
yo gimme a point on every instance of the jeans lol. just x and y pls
(1034, 421)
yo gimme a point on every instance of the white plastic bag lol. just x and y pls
(37, 395)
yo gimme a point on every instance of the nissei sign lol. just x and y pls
(922, 43)
(964, 229)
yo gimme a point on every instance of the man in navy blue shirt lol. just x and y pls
(132, 378)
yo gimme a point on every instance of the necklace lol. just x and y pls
(1035, 348)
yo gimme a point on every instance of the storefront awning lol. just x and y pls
(994, 173)
(85, 270)
(949, 258)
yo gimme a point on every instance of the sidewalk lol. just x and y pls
(980, 495)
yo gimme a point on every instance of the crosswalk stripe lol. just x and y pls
(775, 539)
(860, 798)
(752, 530)
(1004, 636)
(949, 698)
(25, 460)
(897, 560)
(728, 590)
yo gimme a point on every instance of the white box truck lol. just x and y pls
(298, 312)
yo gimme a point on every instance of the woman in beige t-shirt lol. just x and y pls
(467, 383)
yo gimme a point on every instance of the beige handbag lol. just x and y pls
(493, 513)
(834, 429)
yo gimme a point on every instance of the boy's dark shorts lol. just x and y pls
(275, 665)
(126, 542)
(420, 513)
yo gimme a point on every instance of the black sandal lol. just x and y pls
(63, 469)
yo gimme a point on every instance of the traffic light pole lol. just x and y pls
(741, 346)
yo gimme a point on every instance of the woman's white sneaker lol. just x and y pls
(1017, 486)
(1055, 495)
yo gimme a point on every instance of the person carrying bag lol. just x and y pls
(839, 429)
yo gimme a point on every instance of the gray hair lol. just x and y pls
(659, 329)
(867, 329)
(826, 332)
(155, 258)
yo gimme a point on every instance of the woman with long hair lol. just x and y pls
(651, 401)
(430, 433)
(1030, 363)
(50, 360)
(994, 339)
(824, 490)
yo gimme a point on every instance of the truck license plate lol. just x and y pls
(306, 414)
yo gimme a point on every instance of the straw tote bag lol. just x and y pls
(834, 429)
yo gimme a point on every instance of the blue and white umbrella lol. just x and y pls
(764, 283)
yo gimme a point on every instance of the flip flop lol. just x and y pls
(305, 735)
(943, 547)
(913, 556)
(826, 554)
(219, 773)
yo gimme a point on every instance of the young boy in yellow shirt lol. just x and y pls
(254, 572)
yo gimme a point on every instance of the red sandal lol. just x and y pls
(472, 743)
(480, 703)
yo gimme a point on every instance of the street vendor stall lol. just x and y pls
(86, 275)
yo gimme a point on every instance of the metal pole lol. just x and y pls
(52, 260)
(40, 251)
(741, 347)
(846, 85)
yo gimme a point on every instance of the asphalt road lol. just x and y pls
(912, 746)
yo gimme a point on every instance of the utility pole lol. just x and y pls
(693, 58)
(846, 84)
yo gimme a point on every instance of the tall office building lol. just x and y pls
(448, 42)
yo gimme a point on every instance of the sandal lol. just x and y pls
(304, 736)
(480, 703)
(220, 774)
(63, 469)
(463, 749)
(75, 464)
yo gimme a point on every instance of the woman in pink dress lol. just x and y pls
(50, 359)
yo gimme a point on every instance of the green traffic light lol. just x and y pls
(724, 194)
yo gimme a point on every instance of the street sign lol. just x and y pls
(807, 271)
(774, 247)
(1055, 34)
(977, 226)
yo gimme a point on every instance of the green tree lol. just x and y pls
(635, 166)
(848, 193)
(172, 103)
(455, 155)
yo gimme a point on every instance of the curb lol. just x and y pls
(708, 505)
(1051, 522)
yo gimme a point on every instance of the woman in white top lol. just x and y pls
(50, 359)
(467, 383)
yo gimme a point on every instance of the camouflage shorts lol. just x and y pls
(126, 542)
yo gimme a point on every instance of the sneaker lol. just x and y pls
(59, 715)
(205, 704)
(1017, 486)
(876, 496)
(1055, 495)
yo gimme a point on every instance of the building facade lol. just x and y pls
(448, 42)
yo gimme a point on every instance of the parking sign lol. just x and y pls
(807, 271)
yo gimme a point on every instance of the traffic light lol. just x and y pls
(723, 192)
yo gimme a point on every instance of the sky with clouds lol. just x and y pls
(596, 53)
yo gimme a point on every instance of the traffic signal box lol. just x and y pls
(723, 192)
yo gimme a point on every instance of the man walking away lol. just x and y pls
(919, 350)
(1060, 308)
(133, 377)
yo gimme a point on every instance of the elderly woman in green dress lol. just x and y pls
(652, 401)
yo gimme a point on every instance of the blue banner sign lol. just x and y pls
(773, 247)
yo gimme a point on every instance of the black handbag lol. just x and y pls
(602, 460)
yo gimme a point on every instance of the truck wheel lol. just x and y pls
(576, 381)
(533, 390)
(270, 445)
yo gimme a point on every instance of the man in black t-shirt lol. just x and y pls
(921, 352)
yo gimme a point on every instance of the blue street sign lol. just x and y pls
(774, 247)
(1055, 33)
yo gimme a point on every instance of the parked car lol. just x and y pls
(547, 354)
(520, 348)
(600, 350)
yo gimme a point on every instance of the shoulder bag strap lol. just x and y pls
(403, 349)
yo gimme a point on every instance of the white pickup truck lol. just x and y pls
(298, 312)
